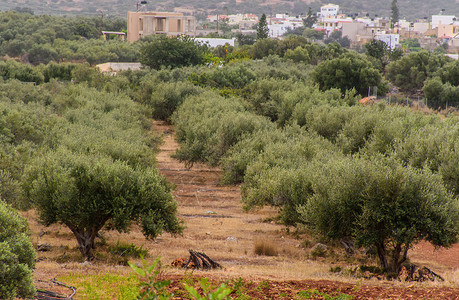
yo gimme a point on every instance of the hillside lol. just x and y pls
(410, 9)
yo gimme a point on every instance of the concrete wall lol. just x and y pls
(146, 23)
(352, 30)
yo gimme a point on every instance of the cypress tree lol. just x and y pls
(395, 13)
(262, 31)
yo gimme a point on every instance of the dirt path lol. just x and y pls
(217, 225)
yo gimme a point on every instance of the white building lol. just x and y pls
(391, 40)
(214, 42)
(441, 19)
(328, 10)
(280, 24)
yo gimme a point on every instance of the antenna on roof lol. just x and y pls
(141, 4)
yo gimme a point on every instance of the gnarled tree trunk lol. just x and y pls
(85, 238)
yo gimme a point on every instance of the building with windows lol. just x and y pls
(327, 11)
(141, 24)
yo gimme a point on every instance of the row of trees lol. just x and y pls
(382, 176)
(81, 156)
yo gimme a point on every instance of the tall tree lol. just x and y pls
(395, 13)
(310, 19)
(263, 30)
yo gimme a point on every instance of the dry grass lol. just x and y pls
(215, 224)
(265, 247)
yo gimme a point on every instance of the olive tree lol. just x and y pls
(172, 52)
(85, 191)
(381, 203)
(17, 255)
(347, 72)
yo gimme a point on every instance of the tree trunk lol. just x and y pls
(397, 261)
(381, 249)
(85, 238)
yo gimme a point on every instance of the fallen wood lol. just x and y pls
(415, 273)
(197, 260)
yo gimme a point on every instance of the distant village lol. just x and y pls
(440, 29)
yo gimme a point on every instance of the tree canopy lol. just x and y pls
(85, 191)
(172, 52)
(347, 72)
(380, 203)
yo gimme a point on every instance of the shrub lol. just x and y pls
(166, 97)
(412, 70)
(347, 72)
(172, 52)
(17, 255)
(265, 247)
(209, 125)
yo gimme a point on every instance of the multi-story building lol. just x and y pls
(141, 24)
(329, 10)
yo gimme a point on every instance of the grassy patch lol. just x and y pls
(265, 247)
(103, 286)
(315, 294)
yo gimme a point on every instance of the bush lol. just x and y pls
(349, 71)
(410, 72)
(172, 52)
(168, 96)
(17, 255)
(265, 247)
(209, 125)
(14, 70)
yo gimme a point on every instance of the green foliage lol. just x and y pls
(103, 285)
(411, 45)
(298, 55)
(58, 71)
(17, 255)
(311, 19)
(312, 294)
(394, 13)
(84, 191)
(208, 125)
(381, 51)
(262, 29)
(347, 72)
(45, 38)
(336, 37)
(313, 34)
(443, 89)
(208, 291)
(412, 70)
(263, 48)
(381, 203)
(172, 52)
(151, 287)
(167, 96)
(128, 250)
(14, 70)
(95, 166)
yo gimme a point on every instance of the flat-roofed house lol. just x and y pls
(141, 24)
